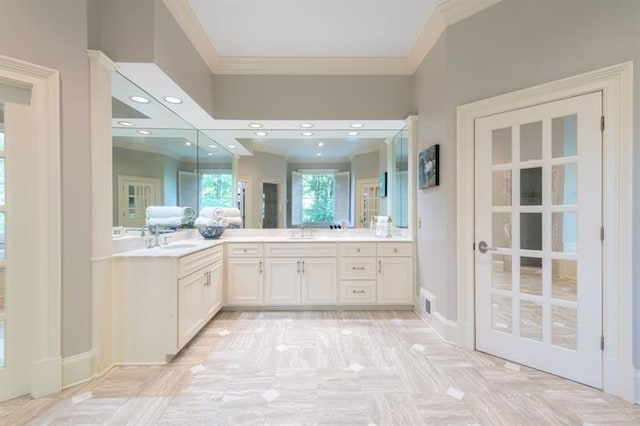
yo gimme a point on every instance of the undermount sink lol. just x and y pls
(179, 246)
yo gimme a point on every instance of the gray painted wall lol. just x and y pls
(54, 34)
(366, 166)
(513, 45)
(288, 97)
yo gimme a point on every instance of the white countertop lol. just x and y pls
(188, 246)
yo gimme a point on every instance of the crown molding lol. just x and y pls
(447, 13)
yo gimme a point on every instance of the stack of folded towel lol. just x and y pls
(227, 217)
(170, 216)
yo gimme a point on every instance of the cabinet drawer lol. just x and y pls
(357, 249)
(301, 250)
(357, 268)
(357, 292)
(244, 250)
(192, 262)
(395, 249)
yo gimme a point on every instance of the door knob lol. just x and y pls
(484, 247)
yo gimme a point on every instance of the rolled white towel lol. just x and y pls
(206, 221)
(223, 221)
(234, 222)
(231, 211)
(211, 212)
(172, 222)
(165, 211)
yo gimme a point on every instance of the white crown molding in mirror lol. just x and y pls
(447, 13)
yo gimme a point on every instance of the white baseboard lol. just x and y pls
(620, 379)
(637, 380)
(77, 369)
(446, 329)
(46, 378)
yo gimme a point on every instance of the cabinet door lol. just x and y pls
(319, 280)
(282, 281)
(213, 291)
(244, 281)
(395, 280)
(190, 305)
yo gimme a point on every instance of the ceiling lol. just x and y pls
(313, 28)
(330, 37)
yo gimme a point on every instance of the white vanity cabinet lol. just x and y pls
(395, 273)
(357, 273)
(376, 273)
(199, 298)
(245, 274)
(301, 273)
(161, 302)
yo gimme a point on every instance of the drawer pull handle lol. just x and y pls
(357, 250)
(261, 266)
(303, 266)
(358, 269)
(244, 250)
(298, 266)
(379, 266)
(395, 250)
(358, 291)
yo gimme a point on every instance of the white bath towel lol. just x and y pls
(219, 212)
(171, 222)
(164, 211)
(202, 222)
(234, 222)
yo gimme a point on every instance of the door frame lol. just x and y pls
(44, 326)
(616, 84)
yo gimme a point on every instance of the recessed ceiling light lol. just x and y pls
(306, 125)
(173, 100)
(320, 143)
(357, 125)
(307, 133)
(139, 99)
(231, 146)
(187, 143)
(319, 154)
(255, 125)
(353, 133)
(213, 146)
(261, 133)
(126, 123)
(144, 132)
(211, 153)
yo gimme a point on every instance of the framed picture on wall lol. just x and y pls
(383, 184)
(428, 167)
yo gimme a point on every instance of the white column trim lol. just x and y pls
(616, 83)
(46, 352)
(100, 71)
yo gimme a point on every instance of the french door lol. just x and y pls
(135, 195)
(368, 203)
(538, 237)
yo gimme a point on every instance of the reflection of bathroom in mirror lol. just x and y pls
(280, 176)
(159, 159)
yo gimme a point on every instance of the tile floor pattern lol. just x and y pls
(353, 367)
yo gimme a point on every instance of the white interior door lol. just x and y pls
(538, 237)
(368, 203)
(136, 194)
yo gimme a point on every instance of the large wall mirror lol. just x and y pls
(278, 174)
(161, 160)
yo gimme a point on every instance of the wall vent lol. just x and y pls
(427, 306)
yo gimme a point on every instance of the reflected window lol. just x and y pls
(216, 189)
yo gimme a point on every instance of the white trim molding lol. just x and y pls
(45, 238)
(616, 84)
(101, 69)
(637, 380)
(447, 13)
(446, 329)
(77, 369)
